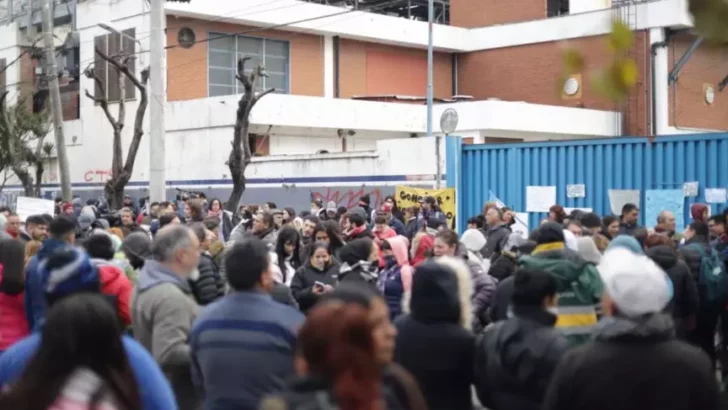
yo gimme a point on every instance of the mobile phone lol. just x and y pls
(318, 285)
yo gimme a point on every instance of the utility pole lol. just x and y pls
(51, 73)
(157, 65)
(430, 91)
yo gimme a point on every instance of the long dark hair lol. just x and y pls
(336, 242)
(12, 266)
(336, 342)
(81, 331)
(316, 246)
(288, 234)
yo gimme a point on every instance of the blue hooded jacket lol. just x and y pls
(35, 304)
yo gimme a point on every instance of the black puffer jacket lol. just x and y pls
(515, 359)
(685, 300)
(209, 286)
(693, 258)
(306, 276)
(442, 366)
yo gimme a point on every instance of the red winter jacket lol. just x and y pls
(13, 324)
(115, 283)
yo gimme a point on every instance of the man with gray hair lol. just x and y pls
(163, 307)
(666, 226)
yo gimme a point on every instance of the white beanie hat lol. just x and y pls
(636, 285)
(473, 240)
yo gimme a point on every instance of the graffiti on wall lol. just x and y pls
(349, 198)
(97, 175)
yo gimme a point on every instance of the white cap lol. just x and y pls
(636, 285)
(473, 240)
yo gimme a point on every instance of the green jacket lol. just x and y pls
(579, 288)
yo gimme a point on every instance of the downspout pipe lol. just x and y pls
(653, 52)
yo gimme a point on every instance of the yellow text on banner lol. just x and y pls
(409, 196)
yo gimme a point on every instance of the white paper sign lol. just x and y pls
(521, 224)
(27, 206)
(620, 197)
(540, 198)
(576, 191)
(570, 210)
(690, 189)
(715, 195)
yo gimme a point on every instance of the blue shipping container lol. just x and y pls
(599, 164)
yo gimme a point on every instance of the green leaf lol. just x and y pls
(621, 37)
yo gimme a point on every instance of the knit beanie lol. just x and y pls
(473, 240)
(550, 232)
(356, 250)
(67, 271)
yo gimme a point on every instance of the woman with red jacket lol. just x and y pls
(114, 282)
(13, 324)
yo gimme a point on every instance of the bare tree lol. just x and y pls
(240, 154)
(22, 144)
(121, 170)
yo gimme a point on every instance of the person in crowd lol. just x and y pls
(381, 233)
(13, 323)
(448, 244)
(685, 300)
(400, 388)
(666, 226)
(429, 209)
(421, 250)
(509, 217)
(62, 236)
(331, 211)
(591, 223)
(75, 337)
(516, 358)
(226, 221)
(335, 361)
(396, 277)
(114, 283)
(137, 248)
(396, 211)
(587, 249)
(610, 225)
(476, 222)
(309, 225)
(128, 225)
(208, 286)
(317, 208)
(316, 277)
(288, 253)
(699, 212)
(277, 218)
(496, 235)
(12, 226)
(438, 311)
(31, 249)
(557, 214)
(36, 229)
(411, 224)
(163, 307)
(263, 229)
(194, 211)
(290, 218)
(628, 242)
(474, 241)
(628, 220)
(358, 228)
(359, 261)
(505, 264)
(579, 285)
(236, 369)
(169, 219)
(365, 204)
(575, 227)
(67, 209)
(335, 239)
(634, 351)
(388, 210)
(716, 226)
(709, 271)
(601, 241)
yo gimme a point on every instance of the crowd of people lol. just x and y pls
(184, 305)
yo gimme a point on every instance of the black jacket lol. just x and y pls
(442, 365)
(306, 276)
(634, 365)
(503, 265)
(501, 300)
(627, 229)
(282, 294)
(209, 286)
(693, 259)
(515, 359)
(496, 238)
(411, 228)
(685, 300)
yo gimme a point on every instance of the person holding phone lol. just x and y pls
(316, 277)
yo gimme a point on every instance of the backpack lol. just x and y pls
(712, 275)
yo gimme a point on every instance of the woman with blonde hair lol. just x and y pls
(31, 248)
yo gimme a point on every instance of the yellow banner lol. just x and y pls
(409, 196)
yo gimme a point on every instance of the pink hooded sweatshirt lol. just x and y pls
(400, 246)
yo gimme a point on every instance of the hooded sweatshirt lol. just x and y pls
(697, 212)
(163, 311)
(355, 265)
(443, 365)
(422, 245)
(115, 283)
(396, 278)
(35, 305)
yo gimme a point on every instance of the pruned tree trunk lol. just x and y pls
(240, 154)
(121, 169)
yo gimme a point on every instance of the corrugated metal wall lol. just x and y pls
(617, 163)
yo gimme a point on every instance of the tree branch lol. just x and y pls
(122, 67)
(263, 94)
(102, 102)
